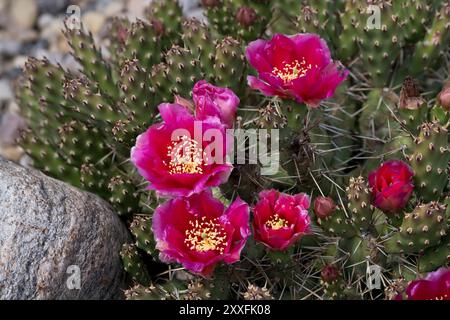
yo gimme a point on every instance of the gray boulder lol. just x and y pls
(56, 242)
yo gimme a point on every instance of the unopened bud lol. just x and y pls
(246, 16)
(158, 26)
(324, 207)
(444, 98)
(210, 3)
(329, 273)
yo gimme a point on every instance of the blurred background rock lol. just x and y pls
(34, 28)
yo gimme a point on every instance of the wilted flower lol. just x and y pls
(392, 185)
(178, 165)
(436, 286)
(199, 232)
(410, 95)
(280, 219)
(212, 101)
(297, 67)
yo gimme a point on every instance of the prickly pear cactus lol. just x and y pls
(430, 158)
(360, 214)
(420, 229)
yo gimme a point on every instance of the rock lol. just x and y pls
(197, 13)
(13, 153)
(9, 48)
(52, 31)
(192, 9)
(6, 92)
(25, 36)
(44, 21)
(113, 8)
(136, 9)
(62, 45)
(93, 21)
(10, 126)
(52, 6)
(51, 233)
(26, 161)
(19, 62)
(71, 64)
(3, 4)
(67, 61)
(24, 13)
(3, 15)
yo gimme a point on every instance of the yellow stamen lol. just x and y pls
(276, 222)
(186, 156)
(292, 71)
(206, 235)
(444, 297)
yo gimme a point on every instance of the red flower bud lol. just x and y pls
(391, 185)
(211, 101)
(444, 98)
(329, 273)
(210, 3)
(158, 25)
(324, 207)
(246, 16)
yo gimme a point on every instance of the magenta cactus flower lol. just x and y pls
(392, 186)
(212, 101)
(435, 286)
(280, 219)
(295, 67)
(199, 232)
(179, 166)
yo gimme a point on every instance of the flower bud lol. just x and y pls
(212, 101)
(158, 25)
(246, 16)
(324, 207)
(210, 3)
(188, 104)
(391, 185)
(444, 98)
(329, 273)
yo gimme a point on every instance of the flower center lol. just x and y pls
(205, 235)
(186, 156)
(276, 222)
(293, 70)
